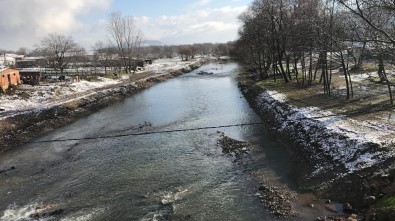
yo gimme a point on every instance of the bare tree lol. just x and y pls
(124, 35)
(78, 57)
(22, 51)
(369, 11)
(168, 51)
(324, 35)
(378, 17)
(186, 52)
(254, 45)
(59, 50)
(205, 48)
(104, 55)
(220, 50)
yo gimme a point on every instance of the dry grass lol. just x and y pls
(370, 101)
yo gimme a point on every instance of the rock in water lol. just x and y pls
(347, 208)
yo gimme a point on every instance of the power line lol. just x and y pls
(141, 134)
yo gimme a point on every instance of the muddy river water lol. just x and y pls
(174, 175)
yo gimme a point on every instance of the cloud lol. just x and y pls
(201, 25)
(200, 3)
(28, 21)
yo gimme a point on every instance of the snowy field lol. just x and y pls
(29, 97)
(168, 64)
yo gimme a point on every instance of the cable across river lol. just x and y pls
(143, 133)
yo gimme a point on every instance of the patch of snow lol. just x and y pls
(169, 64)
(277, 96)
(42, 95)
(361, 77)
(88, 85)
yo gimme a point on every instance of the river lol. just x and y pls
(174, 175)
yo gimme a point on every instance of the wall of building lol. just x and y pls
(9, 77)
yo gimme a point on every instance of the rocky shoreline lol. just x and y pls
(277, 200)
(324, 170)
(24, 126)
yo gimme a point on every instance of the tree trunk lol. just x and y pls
(383, 78)
(381, 71)
(345, 74)
(310, 81)
(288, 60)
(360, 59)
(282, 71)
(303, 61)
(349, 78)
(296, 69)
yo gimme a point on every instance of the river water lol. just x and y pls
(179, 175)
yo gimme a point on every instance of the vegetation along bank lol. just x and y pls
(335, 161)
(321, 74)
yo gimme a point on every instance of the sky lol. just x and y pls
(25, 22)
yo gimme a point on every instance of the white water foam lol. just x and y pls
(171, 197)
(167, 200)
(25, 213)
(16, 213)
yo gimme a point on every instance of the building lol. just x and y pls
(31, 77)
(8, 78)
(30, 62)
(7, 60)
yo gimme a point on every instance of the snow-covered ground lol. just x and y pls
(29, 97)
(368, 76)
(168, 64)
(346, 140)
(362, 77)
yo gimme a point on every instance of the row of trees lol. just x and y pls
(122, 49)
(106, 55)
(303, 39)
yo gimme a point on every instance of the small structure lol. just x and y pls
(31, 77)
(6, 60)
(28, 63)
(9, 78)
(137, 63)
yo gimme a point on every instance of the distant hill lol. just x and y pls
(152, 43)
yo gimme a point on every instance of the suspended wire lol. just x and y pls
(141, 133)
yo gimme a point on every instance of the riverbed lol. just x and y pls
(152, 156)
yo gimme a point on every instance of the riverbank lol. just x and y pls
(180, 175)
(23, 123)
(340, 158)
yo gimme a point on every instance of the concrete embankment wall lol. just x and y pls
(25, 126)
(330, 163)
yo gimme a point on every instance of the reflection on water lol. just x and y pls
(169, 176)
